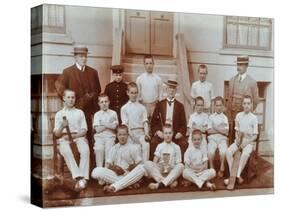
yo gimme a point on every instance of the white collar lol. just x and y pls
(171, 100)
(68, 109)
(80, 67)
(243, 76)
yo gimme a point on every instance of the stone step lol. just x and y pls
(158, 68)
(158, 60)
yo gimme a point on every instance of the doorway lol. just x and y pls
(149, 32)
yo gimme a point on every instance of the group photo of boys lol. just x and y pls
(150, 103)
(136, 134)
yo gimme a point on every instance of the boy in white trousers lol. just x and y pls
(198, 121)
(167, 165)
(246, 127)
(196, 164)
(122, 167)
(218, 131)
(74, 119)
(104, 123)
(134, 116)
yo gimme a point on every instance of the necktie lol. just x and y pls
(170, 102)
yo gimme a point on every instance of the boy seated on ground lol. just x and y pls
(196, 164)
(167, 165)
(123, 166)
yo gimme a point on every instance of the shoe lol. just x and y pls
(226, 181)
(153, 186)
(174, 184)
(240, 180)
(211, 186)
(220, 174)
(101, 182)
(109, 188)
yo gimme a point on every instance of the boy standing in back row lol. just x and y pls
(149, 85)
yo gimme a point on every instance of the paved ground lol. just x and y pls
(262, 184)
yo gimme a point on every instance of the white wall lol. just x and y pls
(204, 41)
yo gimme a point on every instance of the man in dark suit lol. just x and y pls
(84, 81)
(169, 111)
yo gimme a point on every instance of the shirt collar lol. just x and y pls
(243, 76)
(80, 67)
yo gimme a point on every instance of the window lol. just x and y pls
(248, 33)
(48, 18)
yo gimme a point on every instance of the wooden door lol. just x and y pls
(161, 35)
(149, 32)
(137, 32)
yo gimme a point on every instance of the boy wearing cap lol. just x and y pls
(149, 85)
(105, 122)
(169, 111)
(117, 90)
(203, 88)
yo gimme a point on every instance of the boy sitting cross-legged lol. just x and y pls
(122, 167)
(167, 163)
(196, 164)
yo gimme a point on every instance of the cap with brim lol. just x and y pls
(242, 59)
(117, 69)
(171, 83)
(80, 50)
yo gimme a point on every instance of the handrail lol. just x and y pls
(184, 73)
(117, 48)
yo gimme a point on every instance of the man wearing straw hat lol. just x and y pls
(84, 81)
(169, 111)
(240, 85)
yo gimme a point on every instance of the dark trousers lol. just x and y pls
(182, 142)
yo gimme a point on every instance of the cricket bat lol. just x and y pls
(234, 168)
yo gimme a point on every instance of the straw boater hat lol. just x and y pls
(172, 83)
(80, 50)
(117, 69)
(242, 59)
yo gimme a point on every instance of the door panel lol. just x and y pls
(161, 33)
(138, 31)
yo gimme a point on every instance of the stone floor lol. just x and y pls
(262, 184)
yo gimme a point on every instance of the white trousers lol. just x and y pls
(153, 170)
(150, 108)
(198, 178)
(137, 137)
(214, 144)
(81, 170)
(247, 150)
(102, 147)
(118, 182)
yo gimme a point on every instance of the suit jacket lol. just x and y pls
(179, 120)
(249, 87)
(83, 83)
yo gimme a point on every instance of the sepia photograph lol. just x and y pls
(135, 106)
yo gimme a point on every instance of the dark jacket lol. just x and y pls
(86, 85)
(179, 120)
